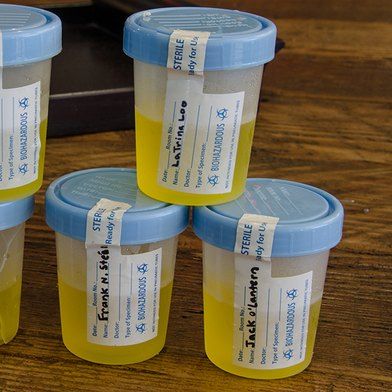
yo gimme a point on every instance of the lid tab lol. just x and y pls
(310, 219)
(70, 198)
(238, 39)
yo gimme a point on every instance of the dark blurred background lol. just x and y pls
(92, 79)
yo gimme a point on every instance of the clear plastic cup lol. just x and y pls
(30, 38)
(288, 287)
(148, 227)
(12, 230)
(237, 49)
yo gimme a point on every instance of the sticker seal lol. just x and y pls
(200, 131)
(271, 314)
(123, 290)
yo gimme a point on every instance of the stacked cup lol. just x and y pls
(29, 38)
(116, 251)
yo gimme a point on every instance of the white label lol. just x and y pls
(122, 296)
(123, 291)
(271, 315)
(200, 131)
(20, 141)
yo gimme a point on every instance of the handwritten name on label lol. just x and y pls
(271, 315)
(123, 294)
(200, 132)
(123, 291)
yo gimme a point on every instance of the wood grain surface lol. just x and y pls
(325, 119)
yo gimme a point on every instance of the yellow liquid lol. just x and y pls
(148, 145)
(74, 323)
(29, 189)
(218, 335)
(9, 311)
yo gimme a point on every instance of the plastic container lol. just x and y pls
(147, 227)
(237, 49)
(12, 229)
(310, 224)
(29, 38)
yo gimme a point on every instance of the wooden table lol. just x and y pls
(325, 120)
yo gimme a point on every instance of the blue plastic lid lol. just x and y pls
(69, 198)
(310, 219)
(16, 212)
(238, 39)
(29, 34)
